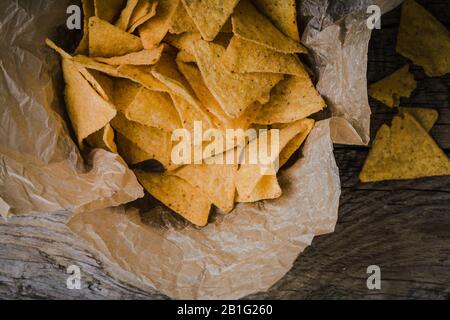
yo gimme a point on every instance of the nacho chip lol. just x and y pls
(185, 57)
(251, 25)
(142, 75)
(296, 142)
(154, 30)
(88, 12)
(109, 10)
(267, 188)
(181, 21)
(210, 16)
(87, 110)
(124, 19)
(178, 195)
(401, 83)
(106, 40)
(141, 58)
(424, 40)
(426, 117)
(183, 42)
(292, 99)
(189, 113)
(125, 92)
(244, 56)
(216, 181)
(130, 152)
(404, 151)
(235, 92)
(103, 139)
(144, 11)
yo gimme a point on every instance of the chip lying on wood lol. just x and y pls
(214, 91)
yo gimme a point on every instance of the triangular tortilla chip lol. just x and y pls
(244, 56)
(88, 12)
(142, 75)
(106, 40)
(183, 42)
(178, 195)
(424, 40)
(401, 83)
(153, 141)
(181, 21)
(291, 100)
(87, 110)
(404, 151)
(283, 14)
(189, 114)
(130, 152)
(425, 116)
(296, 142)
(210, 16)
(252, 26)
(109, 10)
(144, 11)
(103, 139)
(267, 188)
(216, 181)
(235, 92)
(125, 16)
(154, 30)
(183, 56)
(140, 58)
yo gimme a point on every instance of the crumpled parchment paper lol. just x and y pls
(247, 251)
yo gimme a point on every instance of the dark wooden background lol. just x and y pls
(403, 227)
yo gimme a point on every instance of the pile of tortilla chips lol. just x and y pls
(145, 68)
(406, 150)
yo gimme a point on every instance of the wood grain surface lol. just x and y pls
(403, 227)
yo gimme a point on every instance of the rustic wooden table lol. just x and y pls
(403, 227)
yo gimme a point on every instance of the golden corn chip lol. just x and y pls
(291, 100)
(404, 151)
(244, 56)
(216, 181)
(189, 113)
(106, 40)
(424, 40)
(251, 25)
(130, 152)
(154, 30)
(183, 42)
(267, 188)
(283, 14)
(181, 21)
(140, 58)
(296, 142)
(389, 90)
(235, 92)
(185, 57)
(125, 92)
(249, 175)
(210, 16)
(153, 141)
(87, 110)
(91, 63)
(125, 16)
(88, 12)
(142, 75)
(426, 117)
(109, 10)
(178, 195)
(144, 11)
(103, 139)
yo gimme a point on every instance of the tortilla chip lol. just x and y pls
(181, 21)
(210, 16)
(426, 117)
(404, 151)
(283, 14)
(235, 92)
(267, 188)
(189, 113)
(216, 181)
(142, 75)
(88, 12)
(244, 56)
(144, 11)
(124, 19)
(185, 57)
(109, 10)
(296, 142)
(178, 195)
(251, 25)
(153, 141)
(106, 40)
(87, 110)
(130, 152)
(140, 58)
(292, 99)
(154, 30)
(103, 139)
(424, 40)
(183, 42)
(401, 83)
